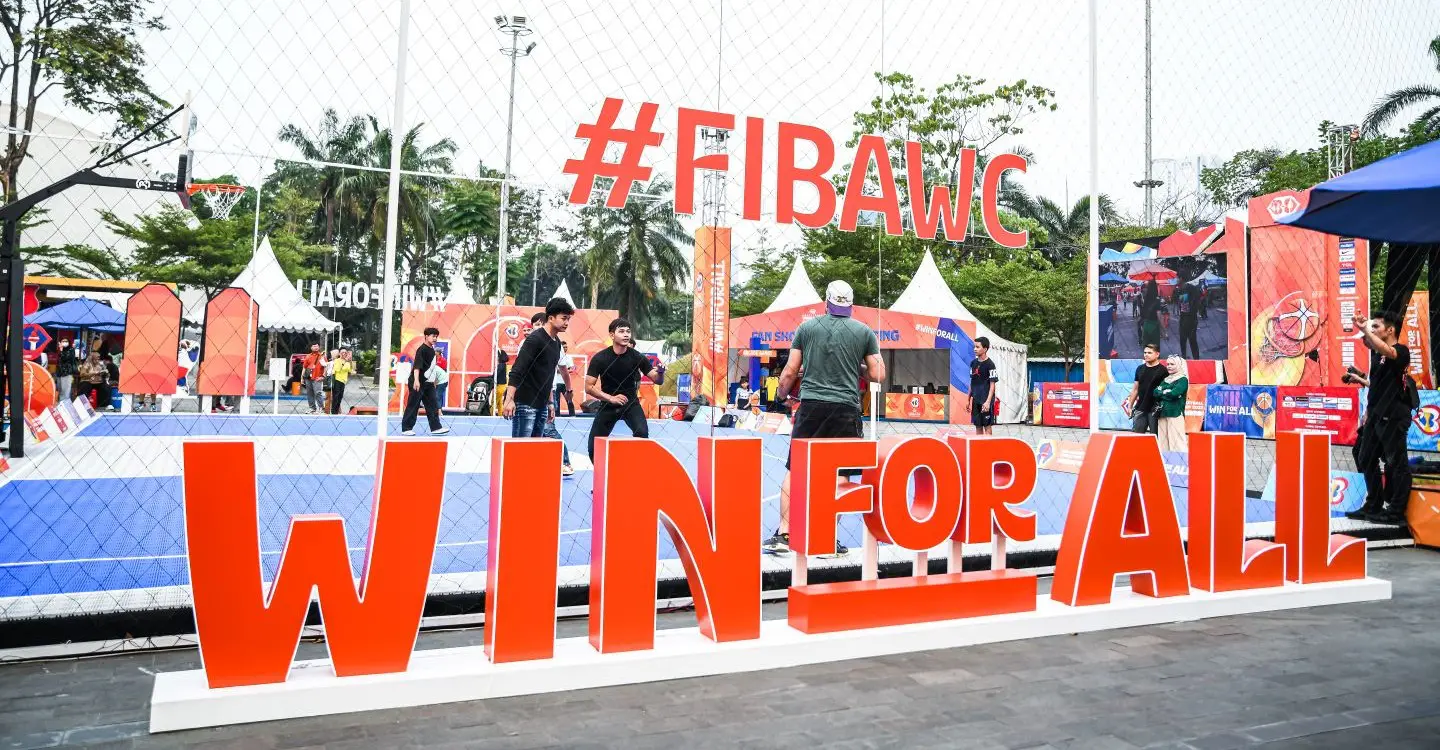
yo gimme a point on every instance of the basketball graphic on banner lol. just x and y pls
(39, 388)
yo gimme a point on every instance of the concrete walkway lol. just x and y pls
(1335, 677)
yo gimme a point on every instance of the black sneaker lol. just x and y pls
(779, 544)
(1358, 515)
(1389, 517)
(840, 550)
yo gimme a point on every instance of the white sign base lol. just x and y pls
(181, 700)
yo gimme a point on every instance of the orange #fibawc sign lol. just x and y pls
(916, 493)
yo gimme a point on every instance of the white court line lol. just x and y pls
(144, 558)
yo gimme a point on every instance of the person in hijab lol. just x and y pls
(1170, 397)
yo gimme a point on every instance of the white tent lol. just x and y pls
(281, 306)
(563, 292)
(928, 294)
(797, 292)
(459, 293)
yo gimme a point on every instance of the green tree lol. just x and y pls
(642, 242)
(334, 142)
(89, 51)
(1066, 232)
(1425, 94)
(170, 246)
(1042, 306)
(366, 194)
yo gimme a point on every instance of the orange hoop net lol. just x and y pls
(220, 198)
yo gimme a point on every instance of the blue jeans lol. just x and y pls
(551, 432)
(528, 422)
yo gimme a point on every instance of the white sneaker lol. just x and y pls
(441, 431)
(408, 433)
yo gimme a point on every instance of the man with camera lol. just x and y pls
(1386, 421)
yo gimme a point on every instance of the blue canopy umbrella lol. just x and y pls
(1113, 278)
(80, 314)
(1393, 200)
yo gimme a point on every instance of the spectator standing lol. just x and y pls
(1386, 422)
(1187, 299)
(984, 382)
(1170, 393)
(828, 357)
(442, 386)
(562, 380)
(66, 365)
(1141, 401)
(743, 394)
(313, 374)
(340, 372)
(422, 380)
(502, 363)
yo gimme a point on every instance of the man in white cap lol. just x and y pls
(835, 352)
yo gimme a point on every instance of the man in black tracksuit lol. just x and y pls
(1385, 424)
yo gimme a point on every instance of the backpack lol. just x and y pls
(1411, 394)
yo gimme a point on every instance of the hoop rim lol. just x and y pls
(213, 187)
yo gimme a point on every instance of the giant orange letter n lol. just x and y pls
(248, 634)
(716, 532)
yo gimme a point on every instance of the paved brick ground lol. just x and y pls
(1335, 677)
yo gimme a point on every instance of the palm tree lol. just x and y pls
(1067, 230)
(1393, 103)
(366, 192)
(333, 143)
(637, 250)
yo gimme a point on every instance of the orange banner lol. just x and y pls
(152, 341)
(469, 334)
(711, 363)
(926, 407)
(227, 357)
(1415, 334)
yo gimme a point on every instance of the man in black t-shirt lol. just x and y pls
(527, 400)
(1141, 401)
(422, 389)
(613, 377)
(1386, 422)
(1187, 298)
(983, 382)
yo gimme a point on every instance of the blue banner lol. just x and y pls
(682, 388)
(1425, 425)
(1347, 491)
(1111, 416)
(1241, 408)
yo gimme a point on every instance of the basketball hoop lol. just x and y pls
(220, 198)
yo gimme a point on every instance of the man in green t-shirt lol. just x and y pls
(835, 352)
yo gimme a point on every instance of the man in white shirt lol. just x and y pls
(562, 381)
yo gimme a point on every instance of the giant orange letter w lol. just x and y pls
(248, 634)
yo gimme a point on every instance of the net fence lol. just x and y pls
(530, 168)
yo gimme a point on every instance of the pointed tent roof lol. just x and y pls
(797, 292)
(281, 306)
(928, 294)
(459, 291)
(563, 292)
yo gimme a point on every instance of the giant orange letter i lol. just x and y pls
(918, 493)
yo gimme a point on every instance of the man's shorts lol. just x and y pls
(980, 416)
(822, 419)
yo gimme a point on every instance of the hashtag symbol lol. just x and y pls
(601, 134)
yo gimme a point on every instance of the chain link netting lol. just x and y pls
(266, 324)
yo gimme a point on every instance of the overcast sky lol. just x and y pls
(1228, 74)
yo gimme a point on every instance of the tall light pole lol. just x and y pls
(516, 27)
(1149, 183)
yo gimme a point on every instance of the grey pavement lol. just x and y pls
(1331, 677)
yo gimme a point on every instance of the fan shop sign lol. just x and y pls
(916, 493)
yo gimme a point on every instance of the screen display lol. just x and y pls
(1176, 303)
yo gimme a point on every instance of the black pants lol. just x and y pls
(425, 395)
(564, 392)
(1188, 326)
(1383, 440)
(633, 414)
(337, 394)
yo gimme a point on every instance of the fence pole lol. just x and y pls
(1092, 256)
(392, 220)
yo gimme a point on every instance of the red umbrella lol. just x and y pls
(1153, 271)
